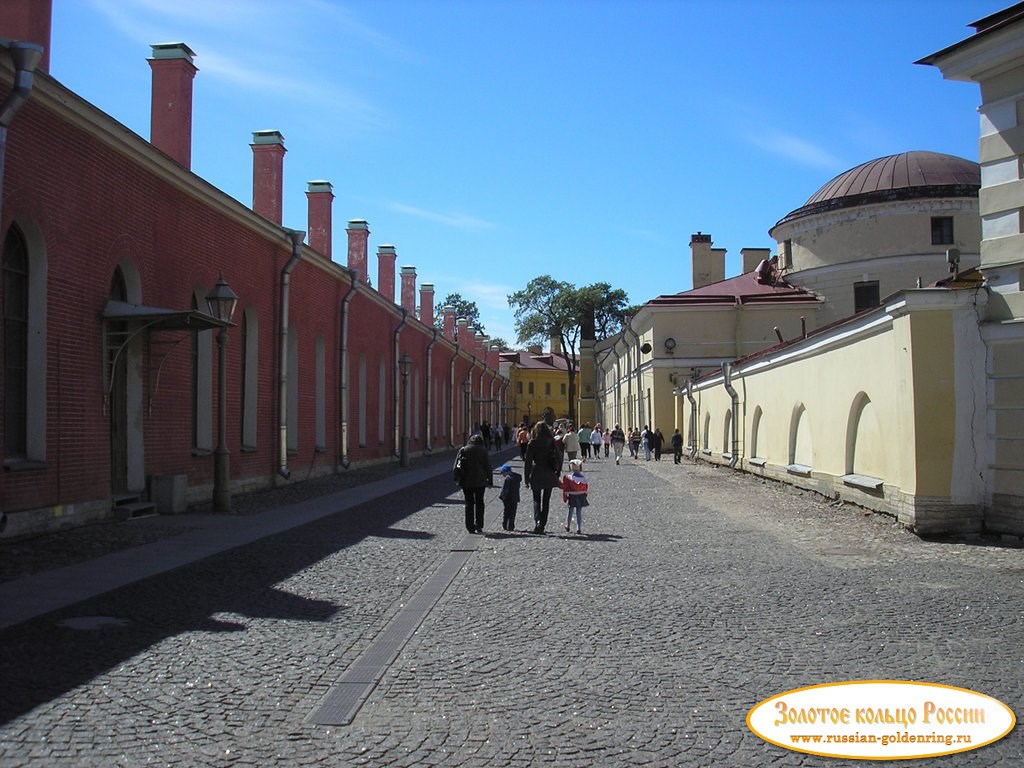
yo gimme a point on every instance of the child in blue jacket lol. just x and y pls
(509, 496)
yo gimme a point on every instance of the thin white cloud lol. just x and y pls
(457, 220)
(794, 148)
(238, 43)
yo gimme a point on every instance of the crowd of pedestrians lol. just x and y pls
(544, 449)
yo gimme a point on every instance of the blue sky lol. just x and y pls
(492, 142)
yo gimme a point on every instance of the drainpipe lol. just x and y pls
(429, 446)
(296, 237)
(26, 57)
(397, 382)
(451, 397)
(343, 401)
(693, 418)
(727, 381)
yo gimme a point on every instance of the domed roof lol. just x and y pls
(906, 176)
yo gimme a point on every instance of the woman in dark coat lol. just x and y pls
(473, 473)
(542, 472)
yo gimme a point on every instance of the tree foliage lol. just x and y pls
(547, 308)
(463, 308)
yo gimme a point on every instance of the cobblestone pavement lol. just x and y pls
(694, 594)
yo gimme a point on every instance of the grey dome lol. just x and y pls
(906, 176)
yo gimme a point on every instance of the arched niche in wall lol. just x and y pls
(865, 449)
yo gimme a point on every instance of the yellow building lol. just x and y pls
(537, 381)
(677, 336)
(911, 404)
(993, 57)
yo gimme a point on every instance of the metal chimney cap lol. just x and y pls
(173, 51)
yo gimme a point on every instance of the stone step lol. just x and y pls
(134, 509)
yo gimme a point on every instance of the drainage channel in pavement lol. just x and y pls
(340, 705)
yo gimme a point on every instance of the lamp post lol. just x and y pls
(467, 388)
(221, 302)
(404, 365)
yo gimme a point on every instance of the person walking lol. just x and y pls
(659, 442)
(677, 446)
(473, 473)
(571, 442)
(618, 441)
(606, 439)
(574, 494)
(509, 496)
(542, 471)
(634, 442)
(522, 438)
(645, 441)
(595, 441)
(583, 433)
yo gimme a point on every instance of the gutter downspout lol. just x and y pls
(451, 398)
(396, 380)
(727, 381)
(25, 57)
(296, 237)
(693, 418)
(469, 375)
(428, 446)
(343, 400)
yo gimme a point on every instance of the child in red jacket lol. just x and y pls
(574, 493)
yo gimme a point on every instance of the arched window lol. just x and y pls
(801, 450)
(24, 345)
(16, 309)
(321, 394)
(202, 381)
(758, 443)
(293, 391)
(361, 410)
(250, 376)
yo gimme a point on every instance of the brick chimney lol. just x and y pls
(409, 289)
(29, 21)
(462, 332)
(427, 304)
(448, 322)
(358, 236)
(268, 174)
(320, 199)
(386, 258)
(170, 126)
(752, 257)
(708, 263)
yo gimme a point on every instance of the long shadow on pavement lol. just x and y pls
(43, 658)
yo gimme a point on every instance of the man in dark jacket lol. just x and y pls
(542, 472)
(473, 473)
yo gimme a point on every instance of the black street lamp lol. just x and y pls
(404, 365)
(221, 302)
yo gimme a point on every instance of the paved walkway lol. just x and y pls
(367, 628)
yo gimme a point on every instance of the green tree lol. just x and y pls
(463, 308)
(549, 308)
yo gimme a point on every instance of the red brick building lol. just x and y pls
(110, 354)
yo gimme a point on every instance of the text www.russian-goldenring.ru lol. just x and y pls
(884, 740)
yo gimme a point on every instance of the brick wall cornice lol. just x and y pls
(67, 106)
